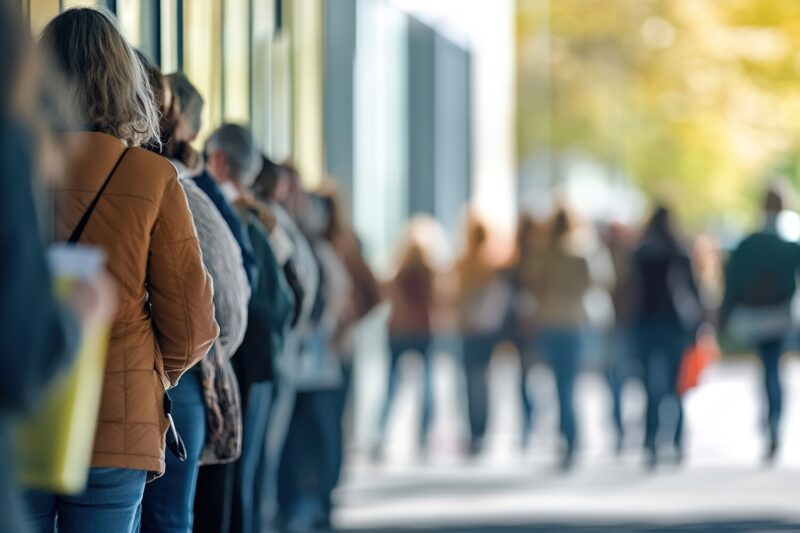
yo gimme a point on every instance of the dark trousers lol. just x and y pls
(620, 367)
(313, 455)
(770, 353)
(168, 502)
(248, 484)
(661, 345)
(562, 351)
(477, 352)
(398, 346)
(526, 347)
(214, 498)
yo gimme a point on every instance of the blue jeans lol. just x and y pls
(562, 351)
(246, 516)
(398, 346)
(661, 345)
(770, 354)
(168, 504)
(109, 503)
(620, 367)
(477, 352)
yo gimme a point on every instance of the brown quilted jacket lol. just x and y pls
(165, 318)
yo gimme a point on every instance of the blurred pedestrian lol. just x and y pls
(129, 202)
(522, 324)
(669, 313)
(280, 189)
(761, 281)
(563, 278)
(482, 304)
(621, 365)
(411, 294)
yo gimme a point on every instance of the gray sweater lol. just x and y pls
(223, 260)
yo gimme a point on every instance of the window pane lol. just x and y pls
(169, 35)
(236, 75)
(202, 61)
(81, 3)
(129, 13)
(41, 11)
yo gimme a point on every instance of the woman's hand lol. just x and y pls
(95, 301)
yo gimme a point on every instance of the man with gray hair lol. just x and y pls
(233, 161)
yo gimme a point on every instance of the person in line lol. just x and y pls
(761, 280)
(39, 334)
(411, 293)
(315, 448)
(482, 303)
(165, 322)
(357, 299)
(281, 191)
(209, 423)
(234, 162)
(185, 131)
(668, 315)
(564, 276)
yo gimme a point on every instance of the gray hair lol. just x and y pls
(107, 82)
(189, 97)
(237, 144)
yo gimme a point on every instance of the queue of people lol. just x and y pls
(227, 286)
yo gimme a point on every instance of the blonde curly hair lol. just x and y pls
(106, 81)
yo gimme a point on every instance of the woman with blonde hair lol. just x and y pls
(483, 301)
(127, 201)
(411, 293)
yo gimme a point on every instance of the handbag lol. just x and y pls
(223, 409)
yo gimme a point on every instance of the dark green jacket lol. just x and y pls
(761, 272)
(270, 310)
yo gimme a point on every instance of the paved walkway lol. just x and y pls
(723, 485)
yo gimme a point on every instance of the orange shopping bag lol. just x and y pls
(698, 357)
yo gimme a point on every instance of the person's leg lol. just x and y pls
(40, 511)
(770, 354)
(648, 352)
(563, 354)
(476, 362)
(396, 350)
(110, 502)
(255, 429)
(168, 503)
(616, 375)
(677, 348)
(302, 465)
(280, 417)
(526, 401)
(214, 498)
(424, 348)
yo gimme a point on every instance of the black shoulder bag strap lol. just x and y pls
(78, 231)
